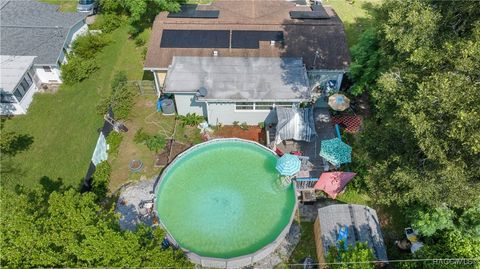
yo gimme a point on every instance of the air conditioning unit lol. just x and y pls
(272, 42)
(215, 53)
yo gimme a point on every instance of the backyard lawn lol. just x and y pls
(144, 116)
(355, 16)
(64, 125)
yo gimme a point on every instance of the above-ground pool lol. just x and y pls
(221, 199)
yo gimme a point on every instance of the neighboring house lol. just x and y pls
(248, 32)
(362, 223)
(30, 28)
(16, 84)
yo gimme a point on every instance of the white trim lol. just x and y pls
(154, 69)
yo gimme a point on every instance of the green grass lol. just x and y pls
(355, 16)
(65, 5)
(64, 124)
(306, 246)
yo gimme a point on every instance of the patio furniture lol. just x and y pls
(335, 151)
(338, 102)
(350, 123)
(333, 183)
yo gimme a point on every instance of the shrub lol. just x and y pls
(78, 69)
(191, 119)
(140, 136)
(155, 143)
(122, 102)
(113, 140)
(235, 123)
(101, 179)
(109, 22)
(86, 46)
(244, 126)
(140, 40)
(261, 125)
(119, 79)
(111, 6)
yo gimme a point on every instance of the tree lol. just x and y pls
(12, 143)
(139, 12)
(423, 143)
(359, 256)
(70, 230)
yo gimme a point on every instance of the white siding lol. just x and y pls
(225, 113)
(79, 29)
(11, 109)
(21, 107)
(186, 103)
(28, 98)
(46, 77)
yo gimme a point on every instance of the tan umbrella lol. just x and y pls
(338, 102)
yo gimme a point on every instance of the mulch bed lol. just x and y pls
(253, 133)
(165, 157)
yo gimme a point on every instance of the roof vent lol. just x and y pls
(215, 53)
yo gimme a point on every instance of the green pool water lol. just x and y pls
(220, 199)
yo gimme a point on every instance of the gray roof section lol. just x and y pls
(12, 69)
(240, 78)
(362, 223)
(28, 27)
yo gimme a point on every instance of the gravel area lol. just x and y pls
(283, 251)
(128, 203)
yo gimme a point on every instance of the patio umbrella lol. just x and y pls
(333, 182)
(338, 102)
(288, 165)
(335, 151)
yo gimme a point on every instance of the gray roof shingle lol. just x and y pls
(362, 223)
(36, 29)
(240, 78)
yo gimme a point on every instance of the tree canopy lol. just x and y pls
(420, 63)
(68, 229)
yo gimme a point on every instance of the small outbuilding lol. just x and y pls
(361, 222)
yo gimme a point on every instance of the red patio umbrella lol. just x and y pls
(333, 182)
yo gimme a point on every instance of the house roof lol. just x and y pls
(12, 69)
(302, 38)
(239, 78)
(33, 28)
(362, 223)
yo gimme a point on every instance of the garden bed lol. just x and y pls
(253, 133)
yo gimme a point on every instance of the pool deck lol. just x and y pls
(325, 130)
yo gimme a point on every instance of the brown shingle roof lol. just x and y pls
(302, 37)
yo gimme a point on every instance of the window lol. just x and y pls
(29, 78)
(47, 68)
(6, 97)
(284, 104)
(263, 106)
(244, 106)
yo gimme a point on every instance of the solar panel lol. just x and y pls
(251, 39)
(195, 39)
(190, 11)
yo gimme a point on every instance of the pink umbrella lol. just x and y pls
(333, 182)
